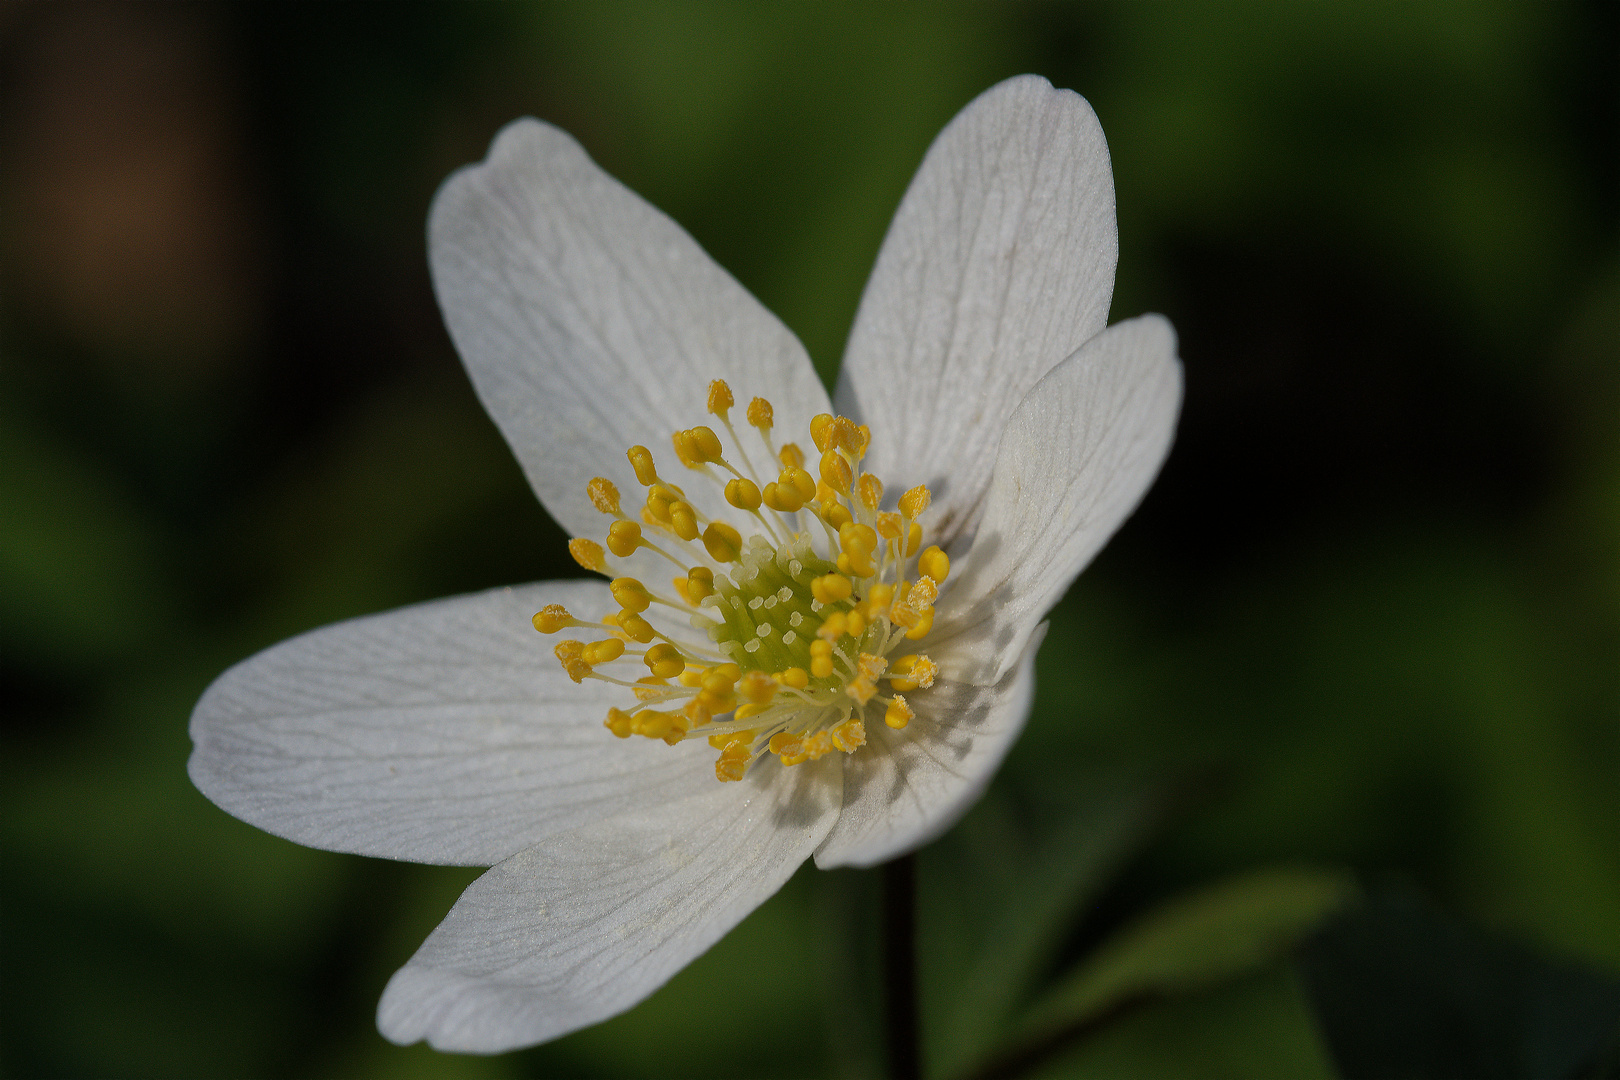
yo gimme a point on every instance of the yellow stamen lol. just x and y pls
(791, 456)
(831, 588)
(934, 563)
(722, 542)
(743, 494)
(835, 471)
(821, 431)
(760, 414)
(915, 501)
(869, 489)
(588, 553)
(699, 583)
(630, 593)
(720, 399)
(603, 495)
(619, 722)
(623, 538)
(552, 618)
(665, 661)
(641, 460)
(898, 714)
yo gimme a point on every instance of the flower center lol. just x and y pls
(801, 641)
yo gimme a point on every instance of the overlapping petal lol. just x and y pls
(1078, 456)
(999, 264)
(914, 783)
(441, 733)
(590, 321)
(588, 923)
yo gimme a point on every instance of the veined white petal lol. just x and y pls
(445, 733)
(999, 264)
(907, 787)
(591, 322)
(588, 923)
(1078, 456)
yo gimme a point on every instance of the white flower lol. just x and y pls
(983, 374)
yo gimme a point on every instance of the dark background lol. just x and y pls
(1369, 618)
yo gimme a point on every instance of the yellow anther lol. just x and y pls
(831, 588)
(570, 654)
(898, 714)
(781, 497)
(934, 563)
(821, 431)
(588, 553)
(760, 414)
(630, 593)
(856, 564)
(861, 689)
(871, 665)
(757, 687)
(723, 739)
(855, 623)
(729, 672)
(888, 525)
(834, 513)
(603, 495)
(682, 442)
(619, 722)
(659, 499)
(915, 501)
(641, 460)
(791, 456)
(552, 618)
(863, 439)
(869, 489)
(732, 763)
(634, 626)
(924, 623)
(623, 538)
(650, 688)
(844, 435)
(913, 539)
(853, 537)
(743, 494)
(801, 482)
(923, 594)
(664, 660)
(903, 614)
(723, 543)
(720, 399)
(680, 591)
(704, 444)
(835, 471)
(751, 709)
(821, 664)
(796, 677)
(833, 627)
(818, 745)
(878, 597)
(699, 583)
(697, 711)
(850, 735)
(913, 671)
(692, 676)
(682, 521)
(658, 725)
(603, 652)
(570, 649)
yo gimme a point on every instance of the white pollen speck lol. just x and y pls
(764, 629)
(751, 645)
(789, 638)
(796, 618)
(754, 604)
(770, 602)
(737, 603)
(795, 568)
(784, 594)
(815, 605)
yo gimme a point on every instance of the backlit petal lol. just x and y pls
(591, 322)
(588, 923)
(999, 264)
(909, 786)
(1078, 456)
(444, 733)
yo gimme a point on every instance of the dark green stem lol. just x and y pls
(900, 967)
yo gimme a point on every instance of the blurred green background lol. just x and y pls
(1366, 627)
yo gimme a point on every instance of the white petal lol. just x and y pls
(590, 922)
(591, 322)
(1078, 456)
(442, 733)
(908, 786)
(999, 264)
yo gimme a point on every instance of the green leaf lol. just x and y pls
(1190, 943)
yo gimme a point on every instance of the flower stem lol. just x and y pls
(900, 967)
